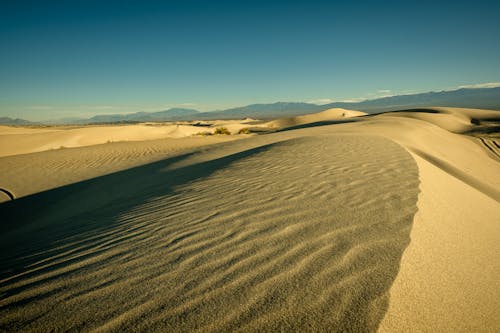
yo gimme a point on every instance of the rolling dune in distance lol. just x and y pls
(37, 139)
(336, 222)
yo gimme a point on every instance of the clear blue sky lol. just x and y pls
(77, 58)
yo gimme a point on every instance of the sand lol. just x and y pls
(338, 222)
(329, 115)
(25, 140)
(451, 265)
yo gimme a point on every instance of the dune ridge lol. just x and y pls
(326, 115)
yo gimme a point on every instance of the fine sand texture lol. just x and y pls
(26, 174)
(451, 264)
(336, 222)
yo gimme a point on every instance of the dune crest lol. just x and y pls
(326, 115)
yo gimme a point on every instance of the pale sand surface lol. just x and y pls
(448, 281)
(327, 115)
(299, 230)
(24, 140)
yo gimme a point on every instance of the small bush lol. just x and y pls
(222, 130)
(244, 131)
(205, 133)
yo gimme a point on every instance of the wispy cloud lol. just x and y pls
(482, 85)
(321, 101)
(353, 100)
(384, 91)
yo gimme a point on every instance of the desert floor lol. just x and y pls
(332, 222)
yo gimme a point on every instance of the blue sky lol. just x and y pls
(79, 58)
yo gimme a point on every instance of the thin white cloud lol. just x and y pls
(353, 100)
(321, 101)
(481, 85)
(384, 91)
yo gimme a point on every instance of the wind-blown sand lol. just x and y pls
(386, 222)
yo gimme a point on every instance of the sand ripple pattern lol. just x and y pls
(300, 235)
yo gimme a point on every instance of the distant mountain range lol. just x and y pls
(12, 121)
(167, 115)
(479, 98)
(476, 98)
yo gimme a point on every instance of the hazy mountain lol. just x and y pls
(482, 98)
(17, 121)
(167, 115)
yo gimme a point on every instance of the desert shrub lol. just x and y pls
(204, 133)
(244, 131)
(222, 130)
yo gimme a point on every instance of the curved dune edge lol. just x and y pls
(448, 278)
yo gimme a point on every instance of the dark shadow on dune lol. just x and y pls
(413, 110)
(33, 228)
(478, 130)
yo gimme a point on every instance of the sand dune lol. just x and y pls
(448, 281)
(386, 222)
(22, 140)
(237, 232)
(54, 168)
(334, 114)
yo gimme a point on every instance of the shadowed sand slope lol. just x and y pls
(300, 234)
(31, 173)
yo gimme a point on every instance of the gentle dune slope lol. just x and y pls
(14, 140)
(303, 234)
(31, 173)
(330, 114)
(472, 159)
(455, 120)
(33, 140)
